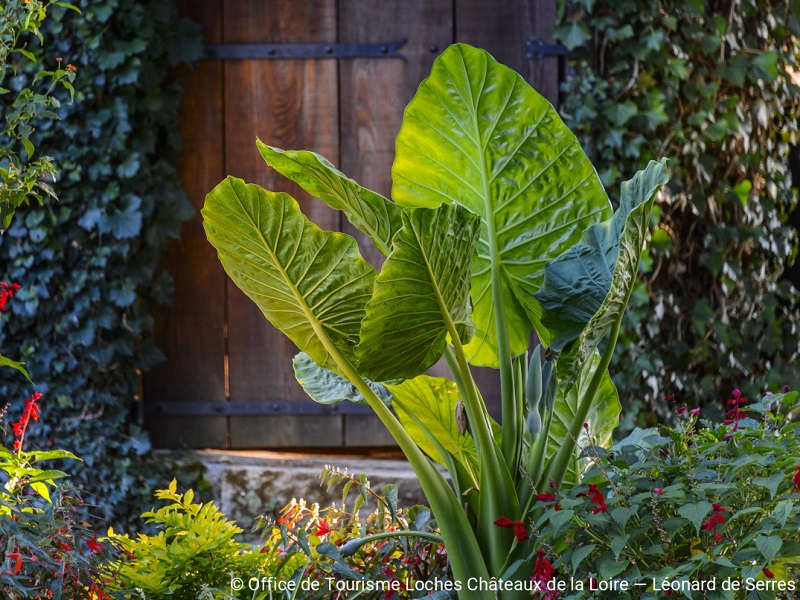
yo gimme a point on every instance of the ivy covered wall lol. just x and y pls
(712, 84)
(87, 263)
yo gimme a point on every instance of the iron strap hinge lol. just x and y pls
(250, 408)
(304, 51)
(542, 49)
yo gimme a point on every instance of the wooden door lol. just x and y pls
(228, 380)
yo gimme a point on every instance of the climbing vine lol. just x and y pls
(714, 85)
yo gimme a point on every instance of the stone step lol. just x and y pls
(246, 484)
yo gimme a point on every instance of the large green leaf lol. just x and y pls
(587, 288)
(477, 134)
(326, 387)
(429, 403)
(311, 284)
(421, 294)
(602, 419)
(368, 211)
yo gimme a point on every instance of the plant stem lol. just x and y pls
(558, 467)
(354, 545)
(468, 560)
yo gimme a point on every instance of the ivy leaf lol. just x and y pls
(734, 69)
(764, 66)
(572, 35)
(126, 223)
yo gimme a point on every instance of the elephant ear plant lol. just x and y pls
(498, 226)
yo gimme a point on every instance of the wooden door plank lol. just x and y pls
(502, 27)
(291, 104)
(375, 91)
(191, 330)
(287, 431)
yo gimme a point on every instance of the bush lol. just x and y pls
(308, 553)
(87, 265)
(713, 86)
(24, 173)
(46, 547)
(696, 506)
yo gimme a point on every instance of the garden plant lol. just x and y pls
(87, 263)
(498, 226)
(714, 86)
(699, 511)
(308, 553)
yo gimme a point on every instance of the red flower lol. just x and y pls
(714, 520)
(543, 572)
(548, 497)
(694, 411)
(6, 293)
(322, 528)
(94, 545)
(31, 412)
(658, 491)
(17, 564)
(767, 573)
(796, 479)
(596, 497)
(504, 522)
(520, 532)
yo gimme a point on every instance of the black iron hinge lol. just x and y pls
(304, 51)
(251, 408)
(540, 49)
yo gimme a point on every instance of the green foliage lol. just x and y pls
(306, 554)
(686, 506)
(81, 321)
(47, 549)
(31, 97)
(497, 217)
(193, 551)
(714, 86)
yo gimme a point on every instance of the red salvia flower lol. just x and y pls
(543, 573)
(6, 293)
(504, 522)
(520, 532)
(548, 497)
(767, 573)
(796, 479)
(31, 411)
(714, 520)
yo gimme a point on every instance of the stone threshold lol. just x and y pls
(247, 483)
